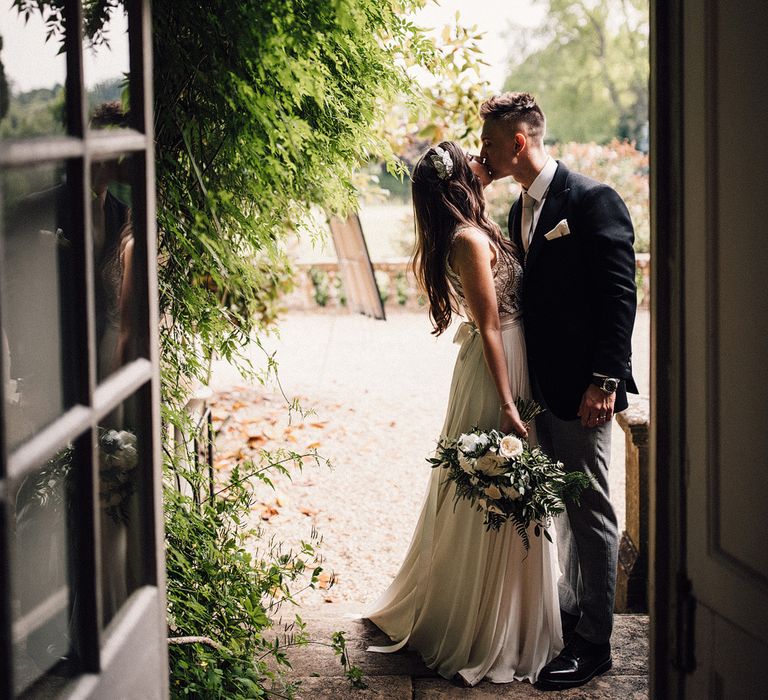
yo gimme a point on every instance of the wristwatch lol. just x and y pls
(607, 384)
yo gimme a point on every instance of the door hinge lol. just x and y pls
(686, 627)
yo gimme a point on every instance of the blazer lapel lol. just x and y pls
(513, 223)
(552, 212)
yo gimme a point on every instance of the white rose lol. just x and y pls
(493, 492)
(126, 458)
(510, 446)
(467, 442)
(490, 464)
(127, 438)
(466, 463)
(471, 442)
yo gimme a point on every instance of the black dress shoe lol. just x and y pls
(578, 663)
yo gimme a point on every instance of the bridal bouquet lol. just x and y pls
(507, 479)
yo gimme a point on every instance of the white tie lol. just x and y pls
(527, 221)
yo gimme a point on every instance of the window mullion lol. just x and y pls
(87, 528)
(6, 643)
(140, 27)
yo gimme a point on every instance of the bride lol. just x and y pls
(471, 602)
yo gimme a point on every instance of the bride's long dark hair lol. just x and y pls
(441, 204)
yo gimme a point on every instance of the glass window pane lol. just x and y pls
(42, 595)
(37, 289)
(106, 64)
(32, 73)
(115, 270)
(125, 472)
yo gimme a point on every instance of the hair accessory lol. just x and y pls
(442, 162)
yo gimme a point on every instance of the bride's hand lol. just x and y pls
(479, 169)
(510, 422)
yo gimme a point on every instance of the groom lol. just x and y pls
(579, 303)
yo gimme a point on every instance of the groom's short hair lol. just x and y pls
(514, 108)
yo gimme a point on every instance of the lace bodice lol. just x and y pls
(507, 278)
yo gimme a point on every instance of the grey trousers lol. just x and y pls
(587, 539)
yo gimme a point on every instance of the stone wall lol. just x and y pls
(319, 284)
(632, 579)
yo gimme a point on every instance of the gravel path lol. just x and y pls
(378, 391)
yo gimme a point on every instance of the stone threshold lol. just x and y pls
(403, 676)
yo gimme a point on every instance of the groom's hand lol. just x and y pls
(596, 407)
(480, 170)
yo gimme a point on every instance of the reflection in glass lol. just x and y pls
(106, 62)
(113, 243)
(32, 76)
(36, 274)
(42, 595)
(122, 476)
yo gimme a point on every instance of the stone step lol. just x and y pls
(379, 688)
(404, 675)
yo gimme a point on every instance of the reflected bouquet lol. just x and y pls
(507, 479)
(118, 457)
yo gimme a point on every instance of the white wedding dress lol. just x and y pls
(473, 602)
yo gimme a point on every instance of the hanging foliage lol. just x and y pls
(263, 110)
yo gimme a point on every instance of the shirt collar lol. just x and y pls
(543, 180)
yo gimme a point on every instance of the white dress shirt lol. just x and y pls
(538, 191)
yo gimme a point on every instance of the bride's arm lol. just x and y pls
(471, 258)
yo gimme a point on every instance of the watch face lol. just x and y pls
(610, 385)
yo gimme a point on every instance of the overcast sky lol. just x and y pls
(31, 63)
(493, 17)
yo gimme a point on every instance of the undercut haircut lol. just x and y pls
(515, 108)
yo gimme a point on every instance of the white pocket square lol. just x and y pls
(559, 231)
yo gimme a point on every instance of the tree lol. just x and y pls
(447, 108)
(588, 66)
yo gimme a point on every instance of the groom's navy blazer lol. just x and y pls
(579, 296)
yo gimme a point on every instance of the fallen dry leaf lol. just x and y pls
(325, 580)
(268, 512)
(306, 510)
(313, 445)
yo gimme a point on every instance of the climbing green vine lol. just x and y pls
(263, 110)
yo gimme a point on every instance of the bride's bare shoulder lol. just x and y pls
(470, 242)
